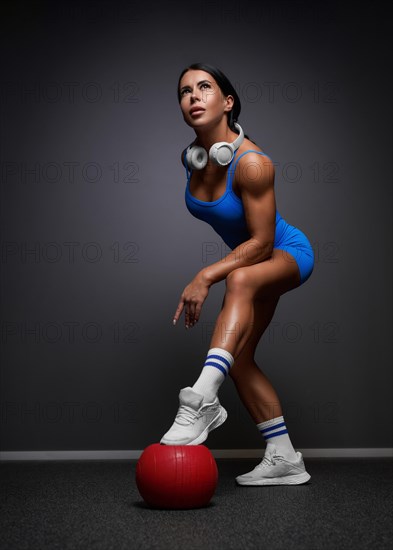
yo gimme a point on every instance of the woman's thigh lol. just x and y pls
(266, 280)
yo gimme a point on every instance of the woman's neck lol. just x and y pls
(207, 136)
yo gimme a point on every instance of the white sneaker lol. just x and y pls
(276, 470)
(194, 420)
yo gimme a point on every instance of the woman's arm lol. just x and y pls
(255, 178)
(256, 183)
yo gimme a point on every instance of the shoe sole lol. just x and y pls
(297, 479)
(215, 423)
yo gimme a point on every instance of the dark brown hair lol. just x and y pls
(225, 86)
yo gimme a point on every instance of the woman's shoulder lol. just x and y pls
(254, 154)
(260, 163)
(250, 146)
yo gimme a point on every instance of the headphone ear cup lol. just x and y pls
(196, 157)
(221, 153)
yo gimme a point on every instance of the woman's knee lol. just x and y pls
(239, 281)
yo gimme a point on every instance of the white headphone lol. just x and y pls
(220, 153)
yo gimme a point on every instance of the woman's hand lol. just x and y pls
(192, 299)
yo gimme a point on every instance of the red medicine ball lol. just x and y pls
(176, 476)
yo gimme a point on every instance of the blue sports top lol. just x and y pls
(226, 214)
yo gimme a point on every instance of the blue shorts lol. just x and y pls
(295, 242)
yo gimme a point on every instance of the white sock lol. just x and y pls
(217, 365)
(275, 434)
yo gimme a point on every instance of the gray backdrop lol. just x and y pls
(97, 244)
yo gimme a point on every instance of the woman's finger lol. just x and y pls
(194, 309)
(198, 312)
(178, 311)
(187, 315)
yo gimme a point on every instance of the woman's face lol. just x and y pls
(201, 99)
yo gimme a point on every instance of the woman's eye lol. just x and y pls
(185, 90)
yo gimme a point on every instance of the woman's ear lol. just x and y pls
(229, 103)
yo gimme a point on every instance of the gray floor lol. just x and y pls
(96, 504)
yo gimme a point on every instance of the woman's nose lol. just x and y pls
(195, 95)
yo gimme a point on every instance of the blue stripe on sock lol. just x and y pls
(219, 367)
(274, 435)
(223, 359)
(270, 428)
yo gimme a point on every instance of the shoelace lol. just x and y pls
(187, 415)
(268, 460)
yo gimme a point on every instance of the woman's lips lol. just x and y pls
(196, 113)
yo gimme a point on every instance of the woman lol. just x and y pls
(230, 185)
